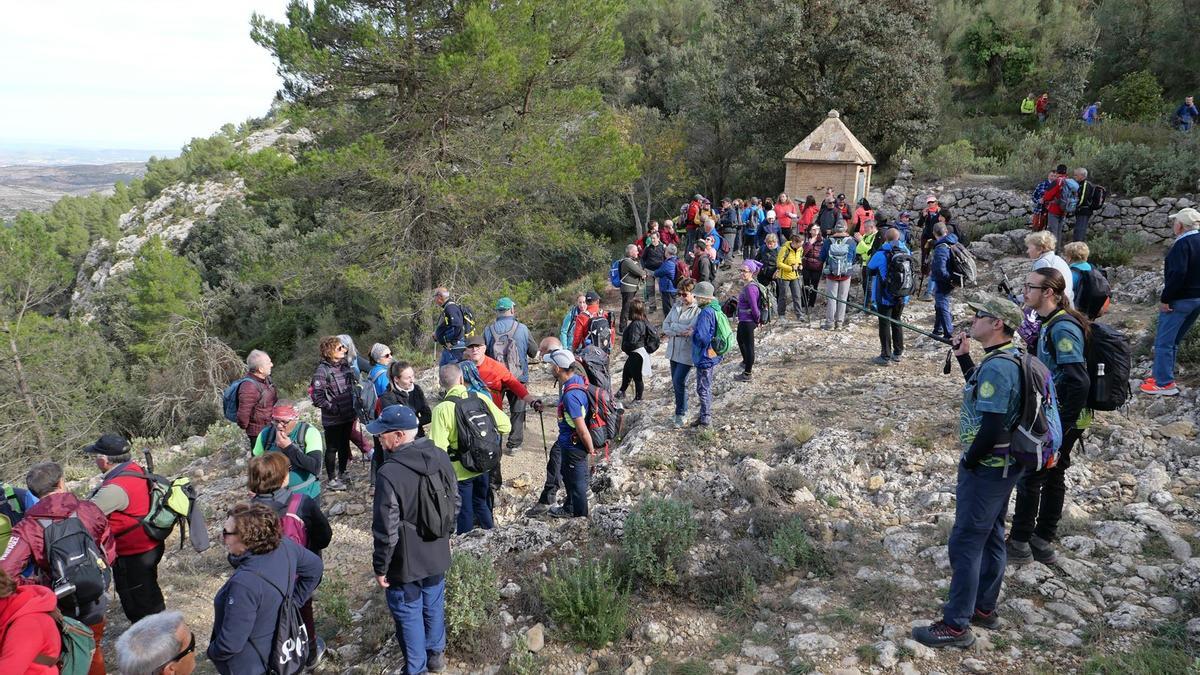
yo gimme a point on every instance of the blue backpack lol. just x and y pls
(614, 274)
(229, 399)
(1068, 197)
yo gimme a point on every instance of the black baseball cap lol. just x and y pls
(109, 445)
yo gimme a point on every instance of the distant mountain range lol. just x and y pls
(36, 187)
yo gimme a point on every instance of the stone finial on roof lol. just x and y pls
(834, 114)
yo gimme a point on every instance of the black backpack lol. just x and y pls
(79, 574)
(289, 647)
(436, 514)
(1108, 362)
(653, 339)
(479, 447)
(900, 281)
(599, 330)
(595, 364)
(1092, 296)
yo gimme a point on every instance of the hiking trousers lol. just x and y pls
(575, 470)
(679, 375)
(976, 547)
(337, 448)
(1172, 327)
(704, 383)
(811, 279)
(473, 493)
(632, 372)
(1081, 226)
(516, 414)
(136, 580)
(668, 299)
(789, 287)
(891, 335)
(840, 289)
(419, 611)
(626, 298)
(553, 476)
(943, 321)
(745, 339)
(1041, 495)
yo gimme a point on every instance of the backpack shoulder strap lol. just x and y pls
(293, 505)
(14, 502)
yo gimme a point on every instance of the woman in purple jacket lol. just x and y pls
(749, 316)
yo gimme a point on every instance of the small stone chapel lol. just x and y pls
(829, 157)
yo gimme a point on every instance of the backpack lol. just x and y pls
(437, 516)
(767, 307)
(78, 644)
(79, 574)
(961, 266)
(653, 340)
(369, 397)
(723, 338)
(1037, 436)
(301, 436)
(1068, 196)
(291, 523)
(899, 279)
(614, 274)
(1097, 196)
(682, 271)
(753, 221)
(604, 418)
(229, 399)
(468, 318)
(838, 262)
(11, 512)
(289, 647)
(1108, 363)
(478, 448)
(599, 330)
(1093, 295)
(595, 364)
(172, 502)
(504, 346)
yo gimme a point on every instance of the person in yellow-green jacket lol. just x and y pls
(789, 263)
(1028, 105)
(864, 250)
(473, 487)
(300, 442)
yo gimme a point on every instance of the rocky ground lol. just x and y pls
(866, 456)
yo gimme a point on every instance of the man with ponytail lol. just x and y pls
(1040, 495)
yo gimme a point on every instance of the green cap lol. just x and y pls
(1001, 308)
(504, 304)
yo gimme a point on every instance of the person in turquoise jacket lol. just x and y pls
(565, 332)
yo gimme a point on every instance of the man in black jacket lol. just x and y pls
(654, 252)
(1179, 302)
(411, 568)
(632, 274)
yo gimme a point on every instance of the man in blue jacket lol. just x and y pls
(891, 335)
(451, 331)
(666, 279)
(1180, 301)
(1186, 115)
(704, 356)
(939, 272)
(508, 341)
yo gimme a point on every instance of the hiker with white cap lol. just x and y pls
(574, 444)
(1179, 303)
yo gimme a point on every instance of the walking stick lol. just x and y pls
(545, 449)
(914, 329)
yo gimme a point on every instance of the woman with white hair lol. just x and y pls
(1039, 246)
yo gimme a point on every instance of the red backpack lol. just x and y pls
(682, 271)
(604, 418)
(292, 524)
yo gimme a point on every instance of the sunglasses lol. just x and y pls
(227, 533)
(985, 315)
(183, 654)
(1031, 287)
(280, 422)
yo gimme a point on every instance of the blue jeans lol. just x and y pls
(419, 610)
(943, 321)
(1172, 326)
(679, 376)
(704, 382)
(474, 495)
(977, 554)
(452, 355)
(575, 476)
(668, 298)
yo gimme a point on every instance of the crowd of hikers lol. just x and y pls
(435, 461)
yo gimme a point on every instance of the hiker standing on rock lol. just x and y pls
(510, 344)
(574, 442)
(749, 316)
(666, 281)
(654, 252)
(810, 276)
(451, 332)
(257, 395)
(1179, 303)
(412, 537)
(1062, 348)
(891, 335)
(704, 356)
(939, 275)
(678, 326)
(637, 335)
(837, 256)
(991, 407)
(787, 277)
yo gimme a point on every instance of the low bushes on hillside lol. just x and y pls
(588, 601)
(471, 597)
(658, 534)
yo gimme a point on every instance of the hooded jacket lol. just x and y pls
(255, 400)
(27, 630)
(703, 355)
(246, 609)
(789, 262)
(400, 553)
(666, 278)
(939, 269)
(681, 318)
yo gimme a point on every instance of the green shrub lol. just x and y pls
(795, 548)
(588, 601)
(658, 534)
(1039, 152)
(1108, 251)
(1137, 97)
(1144, 170)
(521, 661)
(471, 596)
(953, 159)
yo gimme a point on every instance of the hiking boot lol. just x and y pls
(537, 510)
(896, 358)
(742, 377)
(435, 662)
(336, 484)
(882, 361)
(926, 297)
(1155, 389)
(560, 512)
(510, 451)
(942, 634)
(315, 656)
(697, 423)
(1018, 552)
(824, 325)
(1043, 551)
(677, 421)
(989, 620)
(620, 396)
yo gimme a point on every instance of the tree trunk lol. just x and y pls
(23, 388)
(637, 216)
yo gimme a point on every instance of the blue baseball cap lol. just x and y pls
(393, 418)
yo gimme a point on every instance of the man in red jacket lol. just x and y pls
(124, 496)
(256, 397)
(1053, 208)
(45, 481)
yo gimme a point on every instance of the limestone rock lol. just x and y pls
(535, 637)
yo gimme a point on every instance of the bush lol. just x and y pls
(1107, 251)
(1137, 97)
(471, 597)
(953, 159)
(658, 534)
(792, 545)
(1039, 152)
(588, 601)
(1142, 170)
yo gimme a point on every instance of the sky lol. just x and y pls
(130, 74)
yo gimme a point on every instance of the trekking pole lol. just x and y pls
(542, 420)
(914, 329)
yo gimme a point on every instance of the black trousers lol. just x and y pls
(745, 339)
(632, 372)
(516, 414)
(891, 335)
(136, 580)
(668, 299)
(626, 298)
(1041, 495)
(554, 479)
(337, 448)
(811, 279)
